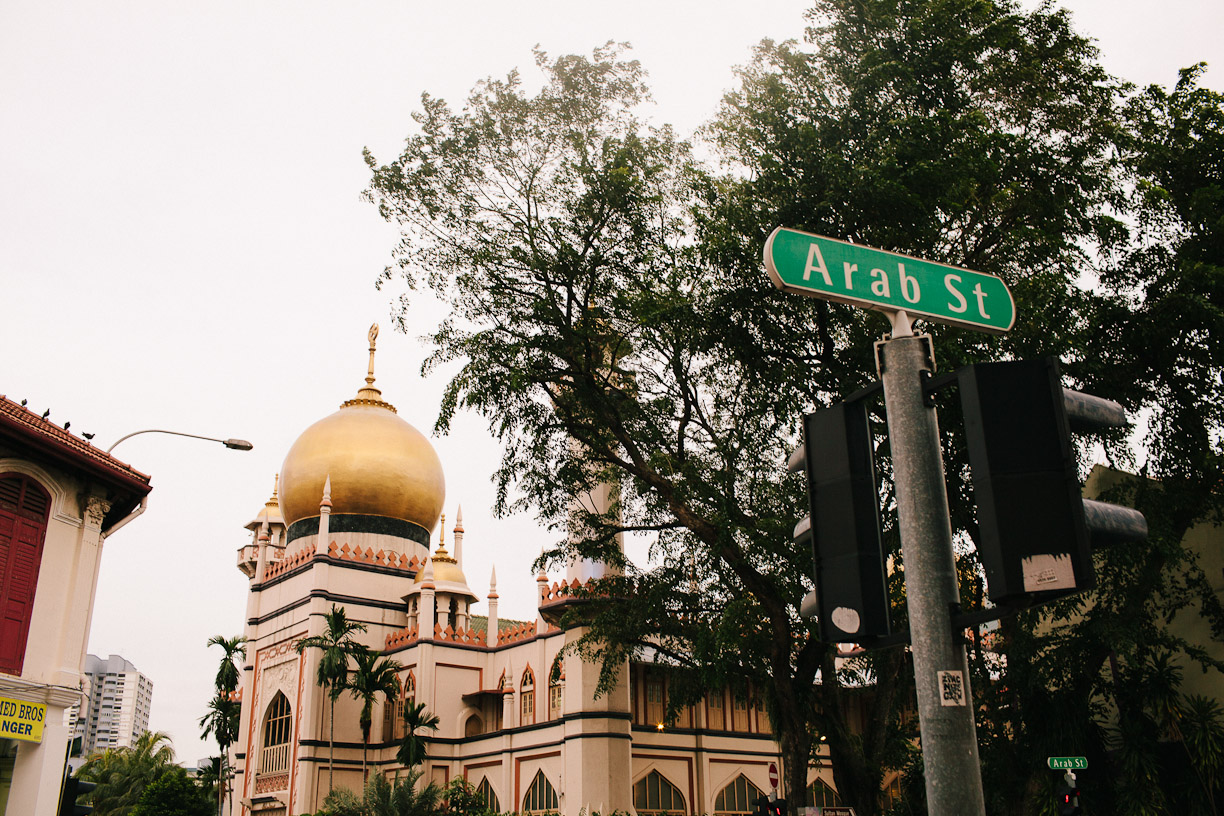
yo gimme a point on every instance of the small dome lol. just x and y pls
(445, 568)
(270, 512)
(379, 465)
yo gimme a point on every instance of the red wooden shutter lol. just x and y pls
(24, 507)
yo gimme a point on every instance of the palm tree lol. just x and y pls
(227, 672)
(412, 750)
(221, 722)
(223, 711)
(122, 774)
(374, 675)
(337, 644)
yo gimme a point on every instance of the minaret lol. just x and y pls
(325, 506)
(541, 591)
(458, 536)
(491, 634)
(599, 501)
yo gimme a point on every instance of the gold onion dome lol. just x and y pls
(379, 465)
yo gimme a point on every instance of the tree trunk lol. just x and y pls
(331, 744)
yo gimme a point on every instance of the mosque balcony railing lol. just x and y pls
(274, 759)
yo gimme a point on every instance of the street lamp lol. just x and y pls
(232, 444)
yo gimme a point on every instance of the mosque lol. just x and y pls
(352, 524)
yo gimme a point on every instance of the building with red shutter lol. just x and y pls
(60, 499)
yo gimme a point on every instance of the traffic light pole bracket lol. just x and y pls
(945, 710)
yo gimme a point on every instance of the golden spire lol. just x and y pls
(369, 395)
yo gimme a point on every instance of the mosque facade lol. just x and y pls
(351, 525)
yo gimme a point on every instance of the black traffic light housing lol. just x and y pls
(843, 525)
(1034, 525)
(73, 788)
(1066, 799)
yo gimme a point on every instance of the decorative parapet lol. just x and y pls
(401, 637)
(382, 558)
(289, 562)
(559, 591)
(514, 634)
(343, 552)
(461, 635)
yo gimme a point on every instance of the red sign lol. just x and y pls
(773, 775)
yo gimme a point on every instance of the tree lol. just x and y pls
(222, 722)
(337, 644)
(1113, 650)
(411, 752)
(222, 719)
(122, 774)
(611, 319)
(233, 652)
(374, 675)
(173, 794)
(384, 798)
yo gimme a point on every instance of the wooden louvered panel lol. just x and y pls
(23, 528)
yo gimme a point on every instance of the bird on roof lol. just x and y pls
(46, 413)
(88, 435)
(66, 424)
(23, 403)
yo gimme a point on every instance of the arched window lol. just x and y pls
(527, 698)
(410, 689)
(473, 727)
(654, 794)
(278, 727)
(540, 798)
(485, 791)
(819, 794)
(556, 691)
(24, 509)
(738, 797)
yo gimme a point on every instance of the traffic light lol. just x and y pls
(1034, 524)
(843, 525)
(777, 807)
(1066, 799)
(74, 787)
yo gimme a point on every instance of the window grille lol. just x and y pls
(541, 797)
(738, 797)
(277, 728)
(654, 794)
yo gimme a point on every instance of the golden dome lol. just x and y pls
(379, 465)
(445, 568)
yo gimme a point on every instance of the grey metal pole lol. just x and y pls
(941, 672)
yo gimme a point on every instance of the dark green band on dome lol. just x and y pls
(344, 523)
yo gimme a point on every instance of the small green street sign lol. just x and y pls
(1067, 763)
(875, 279)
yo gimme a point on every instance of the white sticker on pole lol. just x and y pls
(951, 688)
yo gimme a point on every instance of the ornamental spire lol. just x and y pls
(369, 395)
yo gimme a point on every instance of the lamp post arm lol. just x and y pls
(233, 444)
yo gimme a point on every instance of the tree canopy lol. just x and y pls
(610, 317)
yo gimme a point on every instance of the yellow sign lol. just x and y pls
(21, 720)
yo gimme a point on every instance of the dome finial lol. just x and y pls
(373, 335)
(369, 395)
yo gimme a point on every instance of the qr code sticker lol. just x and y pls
(951, 688)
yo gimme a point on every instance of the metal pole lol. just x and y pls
(945, 705)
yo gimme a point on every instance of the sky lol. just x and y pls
(183, 246)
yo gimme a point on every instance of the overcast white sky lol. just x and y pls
(182, 246)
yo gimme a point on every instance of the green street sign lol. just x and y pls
(1067, 763)
(875, 279)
